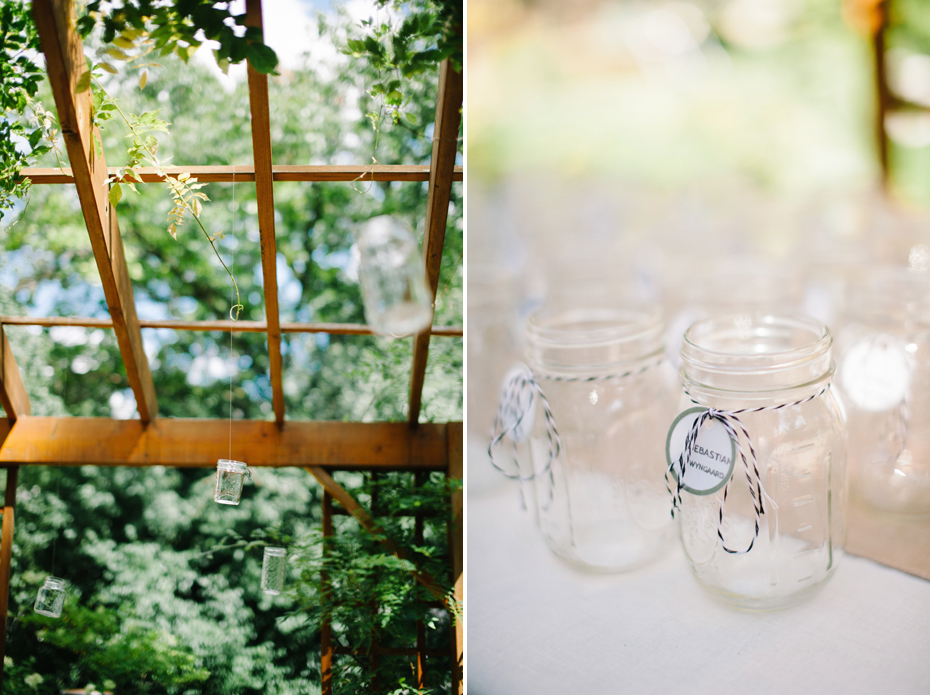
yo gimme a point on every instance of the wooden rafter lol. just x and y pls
(218, 325)
(6, 555)
(243, 174)
(198, 443)
(442, 167)
(64, 56)
(13, 394)
(264, 192)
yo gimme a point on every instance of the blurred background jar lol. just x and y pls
(748, 361)
(494, 344)
(884, 377)
(601, 502)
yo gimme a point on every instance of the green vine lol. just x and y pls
(428, 32)
(23, 139)
(185, 190)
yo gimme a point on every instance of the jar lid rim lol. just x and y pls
(230, 464)
(556, 324)
(270, 550)
(820, 341)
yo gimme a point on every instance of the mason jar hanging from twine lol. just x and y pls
(757, 457)
(274, 566)
(51, 597)
(591, 408)
(884, 378)
(393, 278)
(230, 476)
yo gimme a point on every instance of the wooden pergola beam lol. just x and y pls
(6, 556)
(13, 394)
(224, 325)
(264, 192)
(64, 57)
(442, 167)
(196, 443)
(242, 174)
(455, 437)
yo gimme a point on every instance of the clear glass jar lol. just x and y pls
(754, 361)
(393, 278)
(274, 566)
(229, 478)
(602, 505)
(51, 597)
(493, 341)
(884, 378)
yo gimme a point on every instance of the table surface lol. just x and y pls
(535, 625)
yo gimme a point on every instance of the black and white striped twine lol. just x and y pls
(734, 426)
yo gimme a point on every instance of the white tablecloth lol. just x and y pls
(534, 625)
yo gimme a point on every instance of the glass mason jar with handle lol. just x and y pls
(770, 533)
(601, 499)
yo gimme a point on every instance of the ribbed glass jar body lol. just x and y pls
(883, 371)
(750, 361)
(51, 597)
(229, 479)
(393, 279)
(603, 504)
(274, 566)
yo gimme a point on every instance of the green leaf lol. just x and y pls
(262, 58)
(83, 83)
(109, 68)
(411, 118)
(116, 194)
(143, 78)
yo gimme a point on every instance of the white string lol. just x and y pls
(232, 266)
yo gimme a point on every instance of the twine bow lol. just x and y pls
(734, 427)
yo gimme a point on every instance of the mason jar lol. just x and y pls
(493, 344)
(274, 565)
(601, 501)
(229, 478)
(884, 378)
(51, 597)
(393, 278)
(770, 377)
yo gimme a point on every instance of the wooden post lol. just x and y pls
(13, 394)
(421, 627)
(457, 551)
(6, 555)
(264, 192)
(442, 167)
(882, 94)
(64, 57)
(326, 629)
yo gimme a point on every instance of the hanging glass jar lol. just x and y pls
(758, 456)
(594, 405)
(51, 597)
(274, 566)
(884, 378)
(393, 278)
(230, 476)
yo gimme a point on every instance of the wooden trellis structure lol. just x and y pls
(319, 447)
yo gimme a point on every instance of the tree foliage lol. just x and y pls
(163, 582)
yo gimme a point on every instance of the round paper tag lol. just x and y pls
(712, 458)
(875, 374)
(518, 403)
